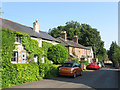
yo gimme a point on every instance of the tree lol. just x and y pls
(58, 54)
(87, 36)
(116, 57)
(114, 54)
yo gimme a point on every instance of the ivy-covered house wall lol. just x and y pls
(15, 74)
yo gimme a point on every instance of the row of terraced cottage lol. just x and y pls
(75, 49)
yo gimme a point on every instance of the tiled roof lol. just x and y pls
(22, 28)
(71, 43)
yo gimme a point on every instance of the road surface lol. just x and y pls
(104, 78)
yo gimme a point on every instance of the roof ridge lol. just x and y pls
(64, 40)
(15, 22)
(19, 23)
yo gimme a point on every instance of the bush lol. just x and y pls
(58, 54)
(84, 62)
(48, 70)
(14, 74)
(75, 60)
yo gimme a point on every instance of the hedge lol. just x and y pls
(15, 74)
(58, 54)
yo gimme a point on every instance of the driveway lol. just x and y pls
(104, 78)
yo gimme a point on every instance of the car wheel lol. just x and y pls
(74, 75)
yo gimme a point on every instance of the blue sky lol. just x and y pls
(100, 15)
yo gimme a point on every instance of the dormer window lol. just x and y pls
(18, 39)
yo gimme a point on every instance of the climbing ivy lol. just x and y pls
(19, 73)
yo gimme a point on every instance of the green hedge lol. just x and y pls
(58, 54)
(48, 70)
(84, 62)
(15, 74)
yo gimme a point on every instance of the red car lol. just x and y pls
(70, 69)
(93, 66)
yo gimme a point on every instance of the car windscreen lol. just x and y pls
(67, 65)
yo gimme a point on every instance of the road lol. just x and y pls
(104, 78)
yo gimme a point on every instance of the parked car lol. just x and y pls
(93, 66)
(70, 69)
(100, 65)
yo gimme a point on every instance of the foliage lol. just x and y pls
(84, 62)
(114, 54)
(48, 70)
(31, 46)
(15, 74)
(116, 57)
(8, 73)
(87, 36)
(12, 73)
(75, 60)
(111, 52)
(26, 73)
(46, 46)
(58, 54)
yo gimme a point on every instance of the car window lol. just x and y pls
(76, 65)
(67, 65)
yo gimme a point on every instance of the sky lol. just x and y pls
(100, 15)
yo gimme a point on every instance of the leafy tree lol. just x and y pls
(114, 54)
(87, 36)
(58, 54)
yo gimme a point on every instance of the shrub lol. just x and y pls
(75, 60)
(58, 54)
(48, 70)
(13, 74)
(84, 62)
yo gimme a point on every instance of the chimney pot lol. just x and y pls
(64, 35)
(75, 39)
(36, 26)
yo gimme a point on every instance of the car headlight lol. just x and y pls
(72, 69)
(59, 68)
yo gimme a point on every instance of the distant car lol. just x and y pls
(100, 65)
(93, 66)
(70, 69)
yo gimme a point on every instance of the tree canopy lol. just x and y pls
(114, 54)
(87, 36)
(58, 54)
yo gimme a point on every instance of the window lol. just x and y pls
(35, 58)
(24, 58)
(18, 39)
(15, 57)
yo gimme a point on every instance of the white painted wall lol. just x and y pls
(39, 41)
(53, 42)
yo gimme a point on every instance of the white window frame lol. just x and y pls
(15, 57)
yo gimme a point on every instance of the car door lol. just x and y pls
(76, 68)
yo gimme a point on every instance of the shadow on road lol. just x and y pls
(103, 78)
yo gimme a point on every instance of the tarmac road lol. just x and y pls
(103, 78)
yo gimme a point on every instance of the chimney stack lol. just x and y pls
(75, 39)
(36, 26)
(64, 35)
